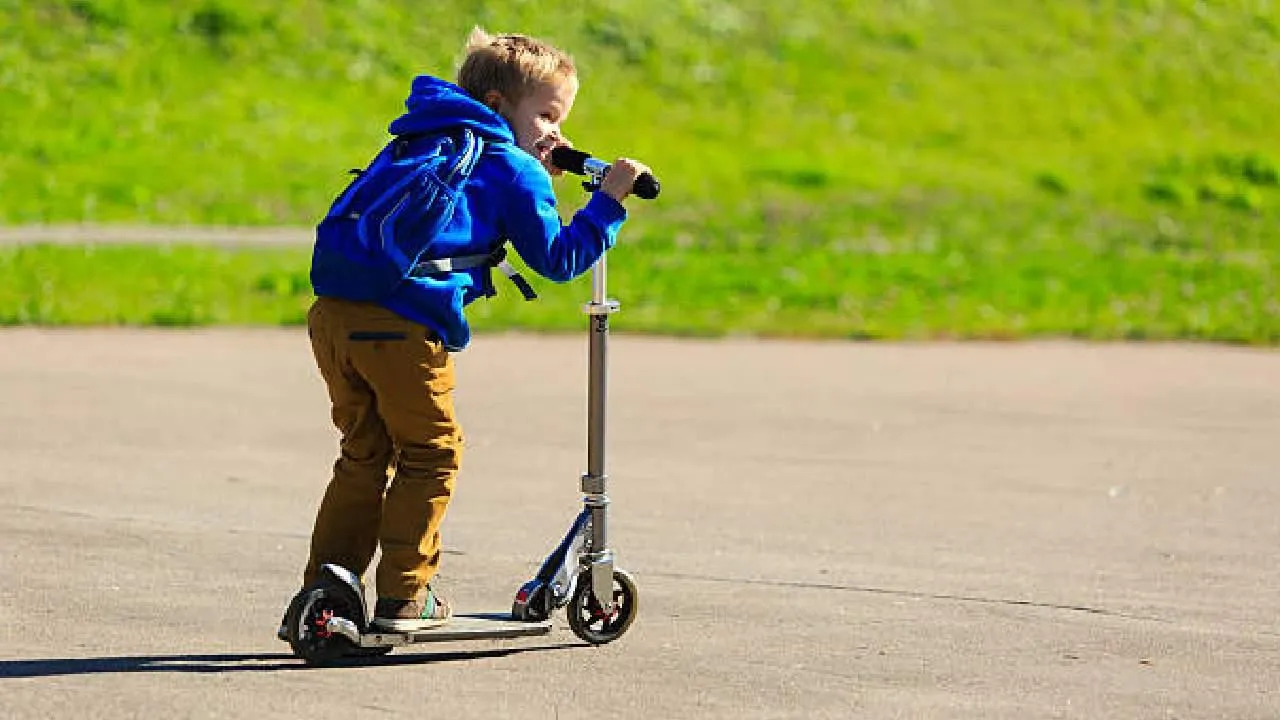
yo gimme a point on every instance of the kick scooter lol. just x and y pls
(329, 619)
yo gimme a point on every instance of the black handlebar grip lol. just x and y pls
(647, 186)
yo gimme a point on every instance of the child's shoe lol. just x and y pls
(428, 611)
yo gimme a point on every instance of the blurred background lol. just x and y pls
(874, 169)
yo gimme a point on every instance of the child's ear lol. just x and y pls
(493, 100)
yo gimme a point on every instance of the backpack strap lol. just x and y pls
(452, 264)
(497, 258)
(517, 279)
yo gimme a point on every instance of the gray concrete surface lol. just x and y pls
(111, 234)
(818, 530)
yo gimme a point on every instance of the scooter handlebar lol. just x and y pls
(646, 186)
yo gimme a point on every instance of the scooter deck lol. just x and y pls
(460, 627)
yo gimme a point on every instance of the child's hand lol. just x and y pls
(621, 178)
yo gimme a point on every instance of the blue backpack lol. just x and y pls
(378, 232)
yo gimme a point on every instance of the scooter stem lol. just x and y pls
(597, 383)
(594, 483)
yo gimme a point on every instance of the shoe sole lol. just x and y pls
(407, 625)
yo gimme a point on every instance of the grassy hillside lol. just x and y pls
(882, 168)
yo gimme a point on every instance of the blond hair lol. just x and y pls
(510, 64)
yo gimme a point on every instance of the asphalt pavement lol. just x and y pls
(818, 530)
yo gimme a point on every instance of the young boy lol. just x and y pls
(388, 366)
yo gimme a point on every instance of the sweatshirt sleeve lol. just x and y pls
(550, 248)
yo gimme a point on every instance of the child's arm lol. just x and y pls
(560, 251)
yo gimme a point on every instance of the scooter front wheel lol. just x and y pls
(587, 617)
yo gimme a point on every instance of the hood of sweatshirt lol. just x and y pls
(437, 105)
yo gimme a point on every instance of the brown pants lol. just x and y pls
(391, 384)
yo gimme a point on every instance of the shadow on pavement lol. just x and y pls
(237, 662)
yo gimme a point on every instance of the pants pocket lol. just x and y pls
(376, 335)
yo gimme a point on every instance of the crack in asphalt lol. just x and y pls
(913, 594)
(154, 523)
(157, 524)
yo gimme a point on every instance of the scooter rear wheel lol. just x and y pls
(587, 618)
(533, 602)
(305, 622)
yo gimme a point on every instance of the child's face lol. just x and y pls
(536, 119)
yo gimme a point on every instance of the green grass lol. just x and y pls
(890, 168)
(923, 278)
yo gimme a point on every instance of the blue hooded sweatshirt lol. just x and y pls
(508, 196)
